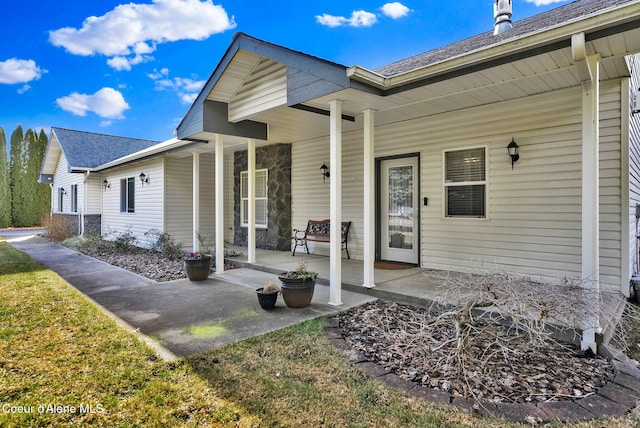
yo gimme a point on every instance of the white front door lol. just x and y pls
(399, 208)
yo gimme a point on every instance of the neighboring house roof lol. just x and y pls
(558, 16)
(87, 150)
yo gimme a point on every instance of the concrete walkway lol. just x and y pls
(178, 317)
(183, 317)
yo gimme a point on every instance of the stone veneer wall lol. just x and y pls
(92, 224)
(277, 159)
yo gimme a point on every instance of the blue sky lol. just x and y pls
(133, 69)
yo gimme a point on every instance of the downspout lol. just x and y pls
(85, 203)
(589, 74)
(52, 202)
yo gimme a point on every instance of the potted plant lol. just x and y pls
(268, 295)
(197, 264)
(298, 286)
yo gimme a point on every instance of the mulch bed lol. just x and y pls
(392, 335)
(144, 262)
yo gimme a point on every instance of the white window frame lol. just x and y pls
(448, 185)
(125, 207)
(74, 198)
(60, 199)
(262, 195)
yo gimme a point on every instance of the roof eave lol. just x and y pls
(552, 37)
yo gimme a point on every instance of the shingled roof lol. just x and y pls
(533, 24)
(86, 150)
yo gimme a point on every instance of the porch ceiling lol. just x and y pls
(519, 79)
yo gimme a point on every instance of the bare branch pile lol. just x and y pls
(490, 338)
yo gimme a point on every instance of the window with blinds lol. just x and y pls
(465, 183)
(260, 201)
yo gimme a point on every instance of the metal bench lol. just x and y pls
(319, 231)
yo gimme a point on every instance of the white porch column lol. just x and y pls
(196, 199)
(219, 171)
(335, 215)
(251, 196)
(369, 199)
(590, 203)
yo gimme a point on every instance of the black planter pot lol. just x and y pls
(296, 292)
(267, 300)
(198, 269)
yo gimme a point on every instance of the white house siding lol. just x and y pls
(611, 197)
(310, 194)
(179, 199)
(533, 224)
(149, 212)
(94, 193)
(266, 88)
(63, 178)
(633, 125)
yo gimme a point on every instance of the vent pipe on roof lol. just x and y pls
(502, 14)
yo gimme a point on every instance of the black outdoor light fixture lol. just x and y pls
(325, 171)
(512, 148)
(106, 184)
(144, 178)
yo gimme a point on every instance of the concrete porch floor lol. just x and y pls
(413, 285)
(410, 285)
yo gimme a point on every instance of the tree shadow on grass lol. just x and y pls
(13, 261)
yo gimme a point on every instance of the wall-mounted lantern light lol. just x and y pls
(62, 191)
(143, 178)
(325, 171)
(512, 148)
(106, 184)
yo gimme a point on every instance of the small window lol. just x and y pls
(74, 198)
(127, 195)
(260, 201)
(465, 183)
(60, 199)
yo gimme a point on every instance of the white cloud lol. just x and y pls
(24, 88)
(107, 103)
(358, 18)
(330, 20)
(187, 89)
(19, 71)
(120, 63)
(395, 10)
(130, 32)
(544, 2)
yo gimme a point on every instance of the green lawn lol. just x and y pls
(65, 363)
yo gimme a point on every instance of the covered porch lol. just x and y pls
(541, 219)
(410, 285)
(415, 285)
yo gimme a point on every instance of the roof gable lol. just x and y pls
(307, 77)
